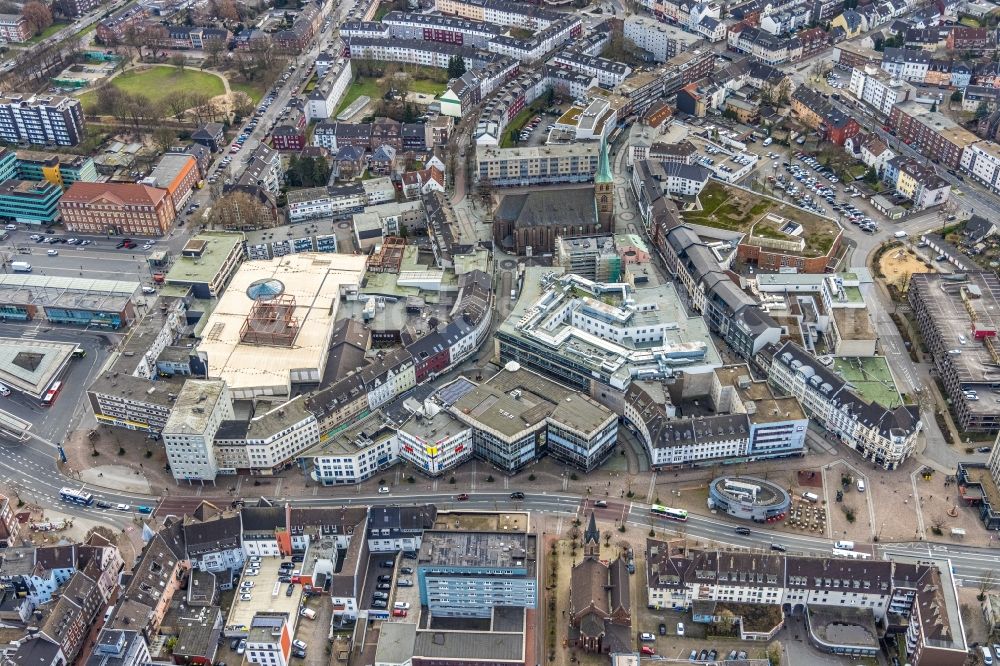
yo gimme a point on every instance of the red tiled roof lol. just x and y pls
(120, 193)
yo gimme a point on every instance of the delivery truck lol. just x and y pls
(20, 266)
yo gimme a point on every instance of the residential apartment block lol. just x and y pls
(41, 119)
(878, 89)
(981, 160)
(189, 433)
(886, 435)
(931, 133)
(542, 165)
(14, 28)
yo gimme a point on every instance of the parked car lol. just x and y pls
(242, 647)
(647, 650)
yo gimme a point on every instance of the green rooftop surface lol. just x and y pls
(218, 246)
(871, 378)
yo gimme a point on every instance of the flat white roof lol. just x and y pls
(315, 280)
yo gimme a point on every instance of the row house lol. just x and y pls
(781, 23)
(817, 113)
(497, 112)
(323, 100)
(886, 436)
(158, 574)
(974, 96)
(213, 539)
(290, 134)
(608, 72)
(965, 38)
(416, 52)
(69, 619)
(981, 161)
(112, 30)
(471, 88)
(539, 44)
(447, 29)
(906, 64)
(918, 182)
(931, 133)
(500, 12)
(299, 36)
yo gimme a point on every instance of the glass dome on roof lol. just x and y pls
(262, 290)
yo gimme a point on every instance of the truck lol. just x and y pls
(844, 545)
(20, 266)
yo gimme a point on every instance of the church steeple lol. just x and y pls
(603, 174)
(604, 192)
(592, 539)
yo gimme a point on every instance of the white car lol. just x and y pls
(383, 490)
(53, 253)
(247, 584)
(300, 645)
(122, 507)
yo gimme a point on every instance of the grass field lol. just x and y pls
(426, 87)
(48, 32)
(159, 83)
(360, 87)
(870, 377)
(255, 90)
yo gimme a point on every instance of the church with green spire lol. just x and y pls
(604, 190)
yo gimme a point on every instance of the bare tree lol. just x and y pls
(164, 138)
(240, 210)
(242, 103)
(38, 15)
(214, 49)
(178, 103)
(986, 585)
(178, 60)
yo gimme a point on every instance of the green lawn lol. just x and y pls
(426, 87)
(48, 32)
(159, 83)
(870, 377)
(255, 90)
(360, 87)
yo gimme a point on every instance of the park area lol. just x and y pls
(157, 84)
(376, 87)
(735, 209)
(897, 264)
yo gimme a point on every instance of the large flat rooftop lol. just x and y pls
(496, 550)
(513, 401)
(266, 596)
(315, 282)
(216, 247)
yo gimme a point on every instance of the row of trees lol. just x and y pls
(138, 111)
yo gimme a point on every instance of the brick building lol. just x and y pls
(117, 208)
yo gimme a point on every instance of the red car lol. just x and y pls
(462, 497)
(398, 612)
(647, 650)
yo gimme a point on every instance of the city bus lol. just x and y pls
(76, 497)
(666, 512)
(51, 394)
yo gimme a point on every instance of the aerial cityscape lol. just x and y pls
(499, 332)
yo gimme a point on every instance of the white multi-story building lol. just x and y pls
(392, 529)
(201, 407)
(609, 73)
(269, 639)
(981, 160)
(354, 453)
(884, 435)
(662, 40)
(878, 89)
(266, 443)
(316, 202)
(324, 99)
(415, 52)
(906, 64)
(41, 119)
(434, 441)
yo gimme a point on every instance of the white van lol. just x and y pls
(861, 486)
(900, 234)
(767, 142)
(987, 655)
(844, 545)
(810, 497)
